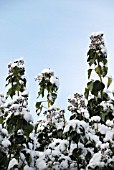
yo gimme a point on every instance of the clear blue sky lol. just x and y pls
(53, 34)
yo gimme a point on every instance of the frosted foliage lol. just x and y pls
(97, 43)
(103, 158)
(84, 142)
(20, 108)
(54, 157)
(4, 142)
(17, 63)
(48, 74)
(76, 125)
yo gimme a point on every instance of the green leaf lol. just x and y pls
(90, 85)
(105, 97)
(11, 92)
(98, 70)
(38, 104)
(97, 86)
(109, 82)
(103, 115)
(89, 73)
(76, 152)
(86, 93)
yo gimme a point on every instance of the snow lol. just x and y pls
(22, 156)
(1, 94)
(64, 164)
(110, 123)
(4, 131)
(48, 152)
(104, 146)
(59, 125)
(28, 168)
(86, 114)
(27, 116)
(20, 132)
(109, 136)
(54, 80)
(103, 50)
(6, 143)
(0, 127)
(75, 124)
(14, 106)
(95, 119)
(12, 163)
(13, 65)
(102, 128)
(48, 71)
(25, 93)
(41, 164)
(92, 137)
(95, 160)
(94, 34)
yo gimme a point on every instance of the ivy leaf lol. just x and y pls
(89, 73)
(109, 82)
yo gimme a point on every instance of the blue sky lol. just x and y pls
(54, 34)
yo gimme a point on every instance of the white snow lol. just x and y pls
(54, 80)
(25, 93)
(94, 34)
(102, 128)
(86, 114)
(27, 116)
(59, 125)
(95, 119)
(110, 123)
(41, 164)
(75, 124)
(95, 160)
(28, 168)
(109, 136)
(14, 106)
(12, 163)
(4, 131)
(48, 71)
(104, 50)
(6, 143)
(13, 65)
(0, 127)
(64, 164)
